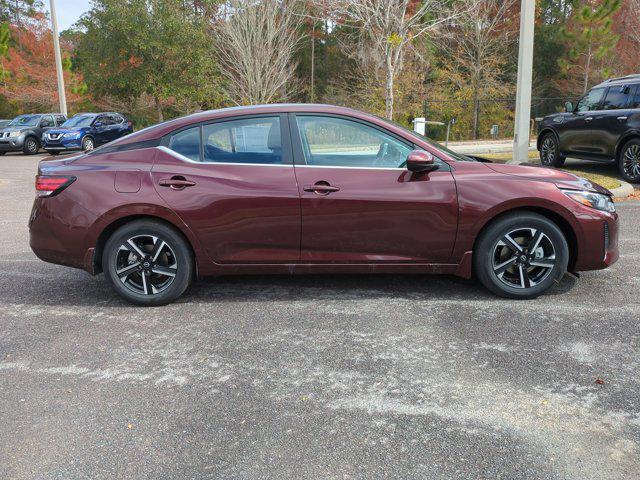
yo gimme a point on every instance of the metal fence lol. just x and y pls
(485, 118)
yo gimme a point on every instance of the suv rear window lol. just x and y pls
(590, 101)
(617, 98)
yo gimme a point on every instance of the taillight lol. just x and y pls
(50, 185)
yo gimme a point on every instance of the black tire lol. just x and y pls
(550, 155)
(2, 153)
(493, 252)
(141, 281)
(88, 144)
(31, 146)
(629, 161)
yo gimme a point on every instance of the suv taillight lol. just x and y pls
(50, 185)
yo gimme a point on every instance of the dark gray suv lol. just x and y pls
(24, 133)
(604, 126)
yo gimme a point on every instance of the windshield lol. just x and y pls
(78, 121)
(25, 121)
(455, 155)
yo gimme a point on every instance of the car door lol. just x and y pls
(359, 204)
(101, 129)
(575, 133)
(232, 181)
(611, 122)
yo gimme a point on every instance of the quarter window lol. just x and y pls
(616, 99)
(187, 143)
(252, 140)
(338, 142)
(591, 101)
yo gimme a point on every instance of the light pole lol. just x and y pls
(56, 47)
(525, 75)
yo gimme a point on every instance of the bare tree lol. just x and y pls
(389, 26)
(476, 47)
(256, 41)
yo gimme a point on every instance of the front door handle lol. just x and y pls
(588, 119)
(321, 188)
(622, 119)
(176, 183)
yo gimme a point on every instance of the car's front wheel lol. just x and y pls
(629, 161)
(88, 144)
(521, 255)
(550, 151)
(148, 263)
(31, 146)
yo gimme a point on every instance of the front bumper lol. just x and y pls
(62, 145)
(14, 144)
(598, 247)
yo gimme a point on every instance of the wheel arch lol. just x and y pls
(543, 132)
(562, 223)
(115, 224)
(633, 135)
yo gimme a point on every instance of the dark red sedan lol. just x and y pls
(311, 189)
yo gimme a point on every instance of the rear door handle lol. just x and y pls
(176, 183)
(321, 188)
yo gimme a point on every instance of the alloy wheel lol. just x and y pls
(548, 151)
(146, 264)
(631, 162)
(523, 258)
(32, 145)
(88, 145)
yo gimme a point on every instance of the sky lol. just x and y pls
(69, 11)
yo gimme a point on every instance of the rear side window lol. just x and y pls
(617, 98)
(187, 143)
(591, 101)
(251, 140)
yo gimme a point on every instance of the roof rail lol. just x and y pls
(627, 77)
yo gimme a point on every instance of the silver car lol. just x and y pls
(24, 133)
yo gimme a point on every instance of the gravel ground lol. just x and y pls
(314, 377)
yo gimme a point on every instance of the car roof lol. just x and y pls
(619, 81)
(162, 129)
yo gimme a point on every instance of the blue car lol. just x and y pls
(86, 131)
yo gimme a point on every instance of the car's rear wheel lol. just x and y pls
(629, 161)
(88, 144)
(148, 263)
(550, 151)
(31, 146)
(521, 255)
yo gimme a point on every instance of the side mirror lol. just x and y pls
(420, 161)
(568, 107)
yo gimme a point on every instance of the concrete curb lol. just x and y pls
(623, 191)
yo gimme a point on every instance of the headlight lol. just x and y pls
(591, 199)
(14, 134)
(71, 135)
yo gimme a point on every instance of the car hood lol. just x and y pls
(15, 129)
(558, 177)
(66, 130)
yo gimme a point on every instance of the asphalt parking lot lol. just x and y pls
(314, 377)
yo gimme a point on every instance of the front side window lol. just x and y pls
(338, 142)
(617, 98)
(591, 101)
(635, 100)
(47, 121)
(187, 143)
(251, 140)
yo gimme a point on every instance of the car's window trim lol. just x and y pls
(287, 154)
(299, 150)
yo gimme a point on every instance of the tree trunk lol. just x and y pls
(313, 60)
(587, 68)
(158, 108)
(389, 95)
